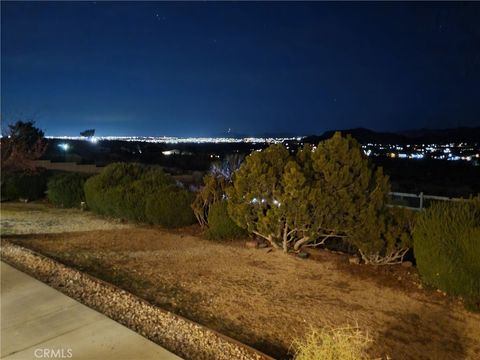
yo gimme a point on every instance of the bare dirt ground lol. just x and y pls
(265, 299)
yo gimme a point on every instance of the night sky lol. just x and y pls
(197, 69)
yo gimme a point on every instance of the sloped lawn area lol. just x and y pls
(263, 298)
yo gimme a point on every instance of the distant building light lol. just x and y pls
(417, 156)
(64, 146)
(171, 152)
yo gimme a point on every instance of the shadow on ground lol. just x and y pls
(416, 329)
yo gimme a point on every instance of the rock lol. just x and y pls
(420, 286)
(252, 244)
(262, 245)
(302, 255)
(407, 264)
(354, 260)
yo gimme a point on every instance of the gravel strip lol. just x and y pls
(175, 333)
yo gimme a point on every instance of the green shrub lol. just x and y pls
(16, 185)
(447, 248)
(121, 189)
(387, 237)
(319, 195)
(220, 225)
(66, 190)
(333, 343)
(170, 208)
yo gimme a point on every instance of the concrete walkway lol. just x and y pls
(38, 322)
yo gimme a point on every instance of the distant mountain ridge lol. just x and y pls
(417, 136)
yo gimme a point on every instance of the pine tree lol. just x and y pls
(328, 192)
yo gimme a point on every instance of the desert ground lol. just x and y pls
(261, 297)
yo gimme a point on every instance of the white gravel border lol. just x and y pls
(181, 336)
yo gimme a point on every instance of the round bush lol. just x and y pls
(170, 208)
(66, 190)
(220, 225)
(447, 248)
(17, 185)
(121, 189)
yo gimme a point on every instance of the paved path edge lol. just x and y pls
(175, 333)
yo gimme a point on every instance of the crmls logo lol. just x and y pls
(53, 353)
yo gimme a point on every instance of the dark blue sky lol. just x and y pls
(201, 68)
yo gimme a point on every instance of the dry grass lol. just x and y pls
(267, 299)
(333, 343)
(38, 218)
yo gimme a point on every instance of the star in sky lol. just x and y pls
(158, 17)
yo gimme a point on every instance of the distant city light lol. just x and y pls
(417, 156)
(64, 146)
(467, 152)
(182, 140)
